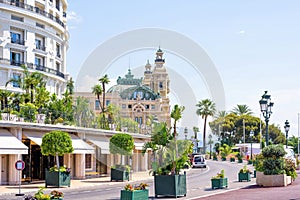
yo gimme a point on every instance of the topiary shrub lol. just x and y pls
(273, 161)
(121, 143)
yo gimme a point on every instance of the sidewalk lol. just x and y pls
(11, 190)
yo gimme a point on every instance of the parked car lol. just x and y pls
(199, 161)
(290, 155)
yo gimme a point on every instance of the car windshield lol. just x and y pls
(198, 159)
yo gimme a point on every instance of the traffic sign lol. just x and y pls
(20, 165)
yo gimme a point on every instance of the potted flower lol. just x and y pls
(219, 181)
(170, 158)
(135, 192)
(57, 143)
(123, 144)
(40, 195)
(244, 174)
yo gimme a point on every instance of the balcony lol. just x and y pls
(32, 9)
(40, 47)
(32, 66)
(17, 41)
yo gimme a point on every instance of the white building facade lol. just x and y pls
(33, 33)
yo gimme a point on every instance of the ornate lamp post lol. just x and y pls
(185, 133)
(251, 138)
(286, 128)
(265, 107)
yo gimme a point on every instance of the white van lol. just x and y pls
(290, 155)
(199, 161)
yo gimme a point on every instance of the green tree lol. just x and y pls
(97, 90)
(195, 130)
(84, 117)
(293, 141)
(121, 143)
(176, 114)
(242, 110)
(104, 81)
(56, 143)
(205, 108)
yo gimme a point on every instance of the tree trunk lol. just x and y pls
(57, 161)
(204, 135)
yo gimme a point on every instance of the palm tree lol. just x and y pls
(206, 108)
(104, 80)
(176, 114)
(97, 90)
(4, 96)
(70, 86)
(242, 110)
(196, 130)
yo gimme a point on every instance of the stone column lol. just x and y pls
(109, 161)
(80, 166)
(13, 174)
(135, 161)
(145, 160)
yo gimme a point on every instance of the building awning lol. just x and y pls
(102, 143)
(80, 147)
(9, 144)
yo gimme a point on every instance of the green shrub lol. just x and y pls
(273, 162)
(290, 168)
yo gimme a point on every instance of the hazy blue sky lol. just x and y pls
(255, 45)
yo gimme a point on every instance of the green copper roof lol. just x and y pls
(143, 92)
(129, 80)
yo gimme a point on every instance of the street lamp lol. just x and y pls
(251, 136)
(265, 107)
(286, 128)
(185, 133)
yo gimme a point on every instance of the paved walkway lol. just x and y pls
(291, 192)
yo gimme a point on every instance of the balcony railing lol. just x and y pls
(32, 66)
(33, 9)
(17, 41)
(40, 47)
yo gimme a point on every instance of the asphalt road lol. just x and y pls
(198, 184)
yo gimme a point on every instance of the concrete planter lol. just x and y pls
(279, 180)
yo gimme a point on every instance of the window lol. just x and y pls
(57, 67)
(40, 25)
(39, 62)
(129, 106)
(57, 4)
(14, 17)
(16, 77)
(58, 50)
(16, 58)
(152, 107)
(147, 107)
(97, 104)
(88, 161)
(16, 38)
(107, 102)
(160, 85)
(123, 106)
(39, 44)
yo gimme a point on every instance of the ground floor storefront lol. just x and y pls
(91, 154)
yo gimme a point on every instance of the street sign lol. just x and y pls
(20, 165)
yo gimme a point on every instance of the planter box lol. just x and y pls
(244, 176)
(219, 183)
(215, 158)
(170, 185)
(272, 180)
(119, 175)
(232, 159)
(134, 195)
(223, 159)
(57, 179)
(240, 160)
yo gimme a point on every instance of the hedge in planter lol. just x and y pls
(219, 181)
(122, 144)
(57, 143)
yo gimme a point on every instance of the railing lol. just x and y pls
(33, 9)
(17, 41)
(159, 60)
(40, 47)
(32, 66)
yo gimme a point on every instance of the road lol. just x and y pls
(198, 184)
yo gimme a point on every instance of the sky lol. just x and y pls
(254, 45)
